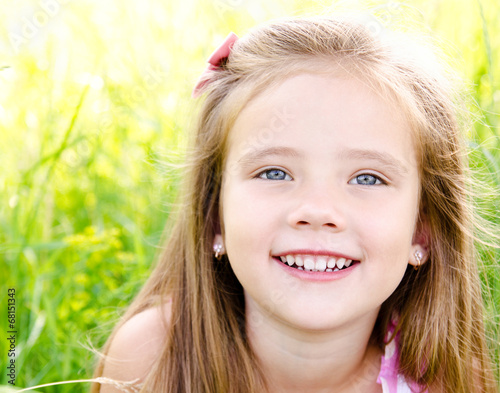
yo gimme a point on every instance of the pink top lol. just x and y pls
(388, 377)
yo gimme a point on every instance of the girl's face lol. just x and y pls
(320, 171)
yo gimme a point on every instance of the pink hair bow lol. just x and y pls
(215, 62)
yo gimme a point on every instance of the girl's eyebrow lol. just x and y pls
(256, 154)
(386, 159)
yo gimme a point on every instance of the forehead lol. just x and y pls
(319, 108)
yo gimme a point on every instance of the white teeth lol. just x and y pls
(318, 263)
(309, 263)
(321, 264)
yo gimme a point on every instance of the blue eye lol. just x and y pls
(366, 179)
(274, 174)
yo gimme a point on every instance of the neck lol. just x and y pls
(340, 360)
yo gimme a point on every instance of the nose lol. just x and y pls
(318, 208)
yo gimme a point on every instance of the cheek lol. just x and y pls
(248, 223)
(389, 238)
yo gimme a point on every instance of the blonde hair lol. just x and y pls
(438, 308)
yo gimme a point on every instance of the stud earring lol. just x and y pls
(418, 257)
(218, 251)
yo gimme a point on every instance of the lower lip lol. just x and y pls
(316, 276)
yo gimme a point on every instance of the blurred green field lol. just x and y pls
(94, 98)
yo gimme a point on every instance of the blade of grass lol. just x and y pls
(34, 211)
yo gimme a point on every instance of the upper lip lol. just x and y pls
(327, 253)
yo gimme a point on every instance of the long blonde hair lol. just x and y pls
(439, 307)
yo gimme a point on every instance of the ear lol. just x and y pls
(218, 239)
(218, 231)
(218, 244)
(419, 250)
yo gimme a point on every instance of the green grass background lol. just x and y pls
(94, 96)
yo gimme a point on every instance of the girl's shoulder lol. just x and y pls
(136, 345)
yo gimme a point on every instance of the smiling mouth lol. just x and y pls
(316, 263)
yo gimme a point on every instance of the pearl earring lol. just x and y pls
(218, 251)
(418, 257)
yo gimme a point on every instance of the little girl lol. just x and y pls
(323, 243)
